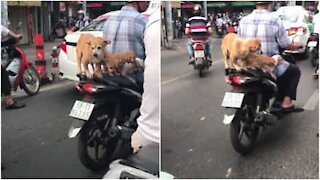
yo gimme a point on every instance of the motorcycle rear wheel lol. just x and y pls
(87, 141)
(200, 72)
(30, 81)
(239, 129)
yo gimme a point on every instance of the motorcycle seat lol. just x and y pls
(251, 72)
(114, 80)
(146, 159)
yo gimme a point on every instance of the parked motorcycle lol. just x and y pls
(20, 70)
(250, 104)
(142, 165)
(105, 119)
(58, 31)
(201, 57)
(313, 46)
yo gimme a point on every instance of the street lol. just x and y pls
(35, 141)
(196, 143)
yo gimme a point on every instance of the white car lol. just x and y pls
(67, 54)
(295, 19)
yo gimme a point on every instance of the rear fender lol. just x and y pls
(75, 128)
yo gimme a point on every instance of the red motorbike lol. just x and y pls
(20, 70)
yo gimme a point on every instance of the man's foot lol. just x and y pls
(292, 108)
(191, 61)
(14, 105)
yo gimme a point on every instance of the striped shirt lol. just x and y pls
(126, 31)
(198, 27)
(269, 29)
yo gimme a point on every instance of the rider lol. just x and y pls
(270, 30)
(82, 20)
(8, 37)
(126, 31)
(198, 28)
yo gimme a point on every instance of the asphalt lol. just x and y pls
(34, 139)
(196, 144)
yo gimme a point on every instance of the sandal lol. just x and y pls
(292, 108)
(15, 105)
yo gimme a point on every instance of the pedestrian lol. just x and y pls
(269, 29)
(7, 37)
(126, 31)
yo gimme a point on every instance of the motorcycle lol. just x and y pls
(142, 165)
(313, 46)
(105, 118)
(58, 31)
(220, 31)
(201, 57)
(20, 70)
(250, 104)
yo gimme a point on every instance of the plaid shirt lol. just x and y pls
(269, 29)
(126, 31)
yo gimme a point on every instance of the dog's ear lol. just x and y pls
(106, 41)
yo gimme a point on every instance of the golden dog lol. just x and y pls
(90, 50)
(116, 61)
(263, 62)
(234, 48)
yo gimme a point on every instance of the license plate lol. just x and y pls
(233, 100)
(199, 54)
(312, 44)
(81, 110)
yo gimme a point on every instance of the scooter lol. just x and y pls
(250, 104)
(220, 31)
(313, 46)
(201, 57)
(21, 72)
(58, 31)
(105, 118)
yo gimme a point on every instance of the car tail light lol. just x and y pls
(294, 30)
(198, 47)
(63, 46)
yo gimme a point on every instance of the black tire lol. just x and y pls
(200, 72)
(88, 161)
(305, 54)
(52, 37)
(235, 129)
(313, 58)
(30, 81)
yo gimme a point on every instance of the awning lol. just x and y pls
(94, 5)
(121, 3)
(24, 3)
(243, 3)
(187, 6)
(217, 4)
(175, 4)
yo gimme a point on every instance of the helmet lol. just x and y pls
(197, 10)
(81, 12)
(263, 2)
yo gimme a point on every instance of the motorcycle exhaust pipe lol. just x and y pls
(266, 117)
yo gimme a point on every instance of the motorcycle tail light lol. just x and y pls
(198, 47)
(63, 46)
(313, 38)
(235, 80)
(89, 88)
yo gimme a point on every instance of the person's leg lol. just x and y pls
(208, 49)
(290, 82)
(6, 91)
(190, 51)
